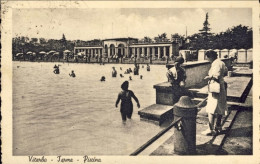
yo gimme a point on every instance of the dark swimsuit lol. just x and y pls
(126, 104)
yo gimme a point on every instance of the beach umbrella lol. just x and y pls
(56, 53)
(52, 51)
(29, 52)
(79, 53)
(42, 52)
(19, 54)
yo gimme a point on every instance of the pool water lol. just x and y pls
(60, 115)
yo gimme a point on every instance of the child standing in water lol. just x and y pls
(125, 96)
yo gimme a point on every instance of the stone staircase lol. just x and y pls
(161, 114)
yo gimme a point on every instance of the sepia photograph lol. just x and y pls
(92, 81)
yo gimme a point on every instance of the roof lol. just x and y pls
(120, 39)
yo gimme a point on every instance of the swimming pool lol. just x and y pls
(59, 115)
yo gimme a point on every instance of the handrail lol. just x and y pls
(149, 142)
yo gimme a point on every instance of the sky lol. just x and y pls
(98, 23)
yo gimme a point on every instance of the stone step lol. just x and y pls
(156, 113)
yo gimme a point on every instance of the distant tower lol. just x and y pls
(112, 29)
(186, 32)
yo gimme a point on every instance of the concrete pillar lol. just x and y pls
(143, 51)
(249, 55)
(148, 51)
(133, 51)
(201, 55)
(103, 50)
(170, 51)
(241, 56)
(185, 131)
(158, 51)
(116, 50)
(138, 52)
(108, 52)
(126, 52)
(153, 52)
(164, 51)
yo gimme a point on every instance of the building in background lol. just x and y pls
(130, 47)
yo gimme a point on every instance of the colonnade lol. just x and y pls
(151, 51)
(116, 51)
(156, 51)
(89, 51)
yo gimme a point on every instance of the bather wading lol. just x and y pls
(125, 96)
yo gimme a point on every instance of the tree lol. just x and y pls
(147, 39)
(63, 42)
(161, 38)
(178, 39)
(205, 31)
(42, 41)
(34, 40)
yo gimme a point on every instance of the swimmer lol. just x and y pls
(141, 76)
(56, 70)
(130, 77)
(125, 96)
(114, 72)
(55, 66)
(72, 74)
(136, 70)
(103, 78)
(148, 67)
(121, 75)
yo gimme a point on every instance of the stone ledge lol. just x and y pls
(156, 112)
(237, 91)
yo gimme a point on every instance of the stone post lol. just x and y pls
(153, 53)
(164, 52)
(158, 51)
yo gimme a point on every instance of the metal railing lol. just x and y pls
(153, 139)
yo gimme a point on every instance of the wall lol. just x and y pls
(196, 71)
(241, 56)
(249, 55)
(201, 55)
